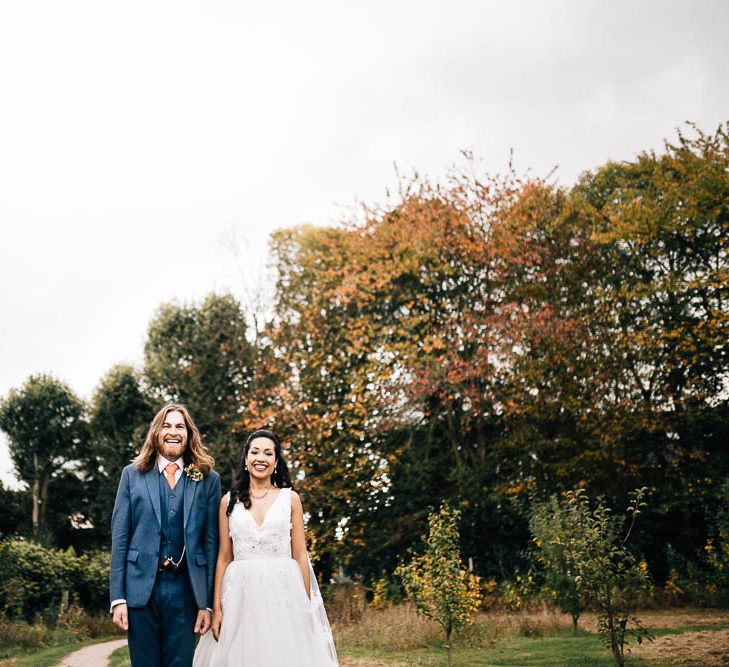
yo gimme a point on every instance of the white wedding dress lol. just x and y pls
(268, 620)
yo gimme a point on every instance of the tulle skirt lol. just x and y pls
(268, 620)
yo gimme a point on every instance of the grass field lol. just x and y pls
(120, 658)
(396, 637)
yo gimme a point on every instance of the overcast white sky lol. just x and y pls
(138, 138)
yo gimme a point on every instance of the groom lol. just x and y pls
(164, 543)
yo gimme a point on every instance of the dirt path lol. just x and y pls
(92, 656)
(98, 655)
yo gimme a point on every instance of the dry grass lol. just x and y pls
(707, 647)
(538, 623)
(399, 628)
(74, 625)
(346, 603)
(668, 618)
(18, 634)
(391, 629)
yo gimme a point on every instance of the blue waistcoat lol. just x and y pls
(172, 537)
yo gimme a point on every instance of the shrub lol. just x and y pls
(515, 594)
(549, 526)
(437, 583)
(33, 578)
(92, 585)
(606, 573)
(386, 591)
(78, 622)
(38, 580)
(21, 634)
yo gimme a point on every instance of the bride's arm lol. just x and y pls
(225, 556)
(298, 540)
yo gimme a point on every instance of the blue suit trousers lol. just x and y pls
(161, 634)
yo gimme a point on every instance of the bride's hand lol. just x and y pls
(217, 622)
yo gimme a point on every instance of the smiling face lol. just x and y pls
(261, 458)
(172, 437)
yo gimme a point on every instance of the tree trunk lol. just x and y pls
(574, 624)
(448, 647)
(617, 653)
(43, 503)
(36, 495)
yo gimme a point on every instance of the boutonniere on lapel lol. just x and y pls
(194, 473)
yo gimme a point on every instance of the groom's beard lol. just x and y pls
(172, 452)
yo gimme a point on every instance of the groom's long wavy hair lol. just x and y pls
(195, 452)
(241, 489)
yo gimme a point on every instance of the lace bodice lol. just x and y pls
(272, 539)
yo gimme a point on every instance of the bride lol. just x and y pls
(267, 609)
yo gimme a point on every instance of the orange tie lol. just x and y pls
(170, 470)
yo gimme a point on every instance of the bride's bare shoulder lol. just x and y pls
(295, 500)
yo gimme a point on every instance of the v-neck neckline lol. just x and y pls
(265, 516)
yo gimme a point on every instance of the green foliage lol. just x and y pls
(119, 416)
(515, 593)
(550, 528)
(386, 591)
(14, 512)
(707, 579)
(45, 424)
(718, 554)
(199, 355)
(34, 579)
(439, 586)
(663, 223)
(605, 572)
(91, 586)
(717, 549)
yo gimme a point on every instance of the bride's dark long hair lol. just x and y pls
(241, 489)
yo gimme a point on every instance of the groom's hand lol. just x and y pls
(202, 625)
(119, 616)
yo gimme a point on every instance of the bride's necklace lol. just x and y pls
(261, 497)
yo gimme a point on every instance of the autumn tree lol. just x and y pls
(472, 338)
(661, 223)
(390, 317)
(319, 345)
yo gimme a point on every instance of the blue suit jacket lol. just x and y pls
(136, 526)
